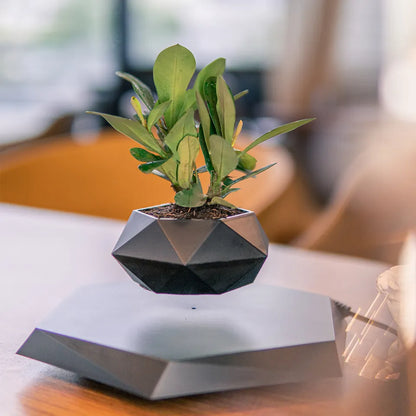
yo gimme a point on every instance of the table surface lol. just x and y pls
(46, 255)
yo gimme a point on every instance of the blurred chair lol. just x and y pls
(95, 177)
(99, 177)
(374, 204)
(291, 213)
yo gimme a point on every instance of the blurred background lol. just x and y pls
(345, 183)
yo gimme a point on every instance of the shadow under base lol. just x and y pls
(158, 346)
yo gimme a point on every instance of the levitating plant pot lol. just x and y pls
(192, 256)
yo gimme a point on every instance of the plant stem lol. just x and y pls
(176, 188)
(214, 186)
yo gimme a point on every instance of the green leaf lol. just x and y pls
(185, 126)
(192, 197)
(134, 130)
(249, 175)
(227, 180)
(221, 201)
(286, 128)
(213, 69)
(150, 166)
(135, 103)
(203, 115)
(169, 168)
(223, 156)
(161, 129)
(245, 161)
(156, 114)
(140, 88)
(210, 95)
(240, 94)
(204, 147)
(228, 192)
(143, 155)
(225, 109)
(161, 175)
(172, 71)
(189, 101)
(187, 150)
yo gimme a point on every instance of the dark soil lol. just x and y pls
(206, 212)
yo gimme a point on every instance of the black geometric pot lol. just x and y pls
(192, 256)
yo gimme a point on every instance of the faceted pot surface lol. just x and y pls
(192, 256)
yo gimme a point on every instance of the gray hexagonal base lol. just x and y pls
(158, 346)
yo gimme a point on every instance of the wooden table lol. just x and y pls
(45, 255)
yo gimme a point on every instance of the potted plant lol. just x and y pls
(201, 243)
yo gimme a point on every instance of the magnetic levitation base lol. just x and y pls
(159, 346)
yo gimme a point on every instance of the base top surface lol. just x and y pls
(174, 327)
